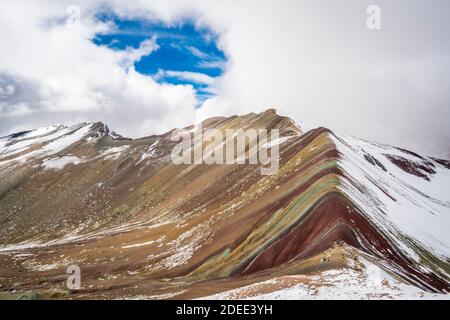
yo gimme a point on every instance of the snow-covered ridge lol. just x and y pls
(19, 141)
(47, 142)
(44, 142)
(411, 209)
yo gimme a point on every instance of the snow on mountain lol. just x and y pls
(370, 282)
(48, 141)
(398, 200)
(61, 162)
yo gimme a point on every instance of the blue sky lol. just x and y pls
(183, 47)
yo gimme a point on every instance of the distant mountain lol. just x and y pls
(340, 218)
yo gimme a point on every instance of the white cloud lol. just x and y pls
(195, 77)
(16, 110)
(212, 64)
(196, 52)
(131, 55)
(7, 90)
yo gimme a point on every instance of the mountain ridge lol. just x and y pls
(206, 223)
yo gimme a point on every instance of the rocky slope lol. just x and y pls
(140, 226)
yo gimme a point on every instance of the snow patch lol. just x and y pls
(372, 282)
(150, 151)
(61, 162)
(113, 153)
(138, 244)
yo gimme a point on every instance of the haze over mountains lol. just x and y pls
(341, 218)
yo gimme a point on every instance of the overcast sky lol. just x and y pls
(315, 61)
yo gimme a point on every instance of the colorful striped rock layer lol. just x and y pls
(340, 218)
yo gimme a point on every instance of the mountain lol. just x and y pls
(340, 218)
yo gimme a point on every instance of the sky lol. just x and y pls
(186, 54)
(145, 67)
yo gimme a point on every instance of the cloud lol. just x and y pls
(130, 55)
(6, 90)
(212, 64)
(198, 53)
(195, 77)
